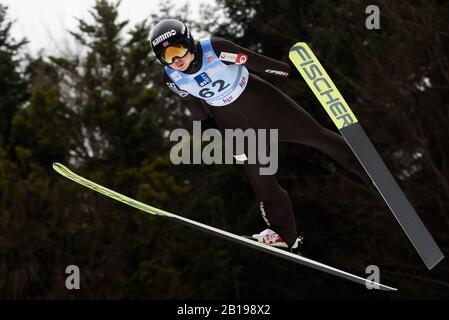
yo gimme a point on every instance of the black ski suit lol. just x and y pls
(263, 106)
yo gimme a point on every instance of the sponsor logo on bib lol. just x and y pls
(176, 76)
(203, 79)
(209, 56)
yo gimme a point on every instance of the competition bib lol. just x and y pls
(216, 83)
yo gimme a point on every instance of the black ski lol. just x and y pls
(337, 108)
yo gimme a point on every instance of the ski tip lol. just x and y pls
(56, 166)
(298, 44)
(59, 168)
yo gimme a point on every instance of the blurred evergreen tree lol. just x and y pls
(13, 85)
(105, 112)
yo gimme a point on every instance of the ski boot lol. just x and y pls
(271, 238)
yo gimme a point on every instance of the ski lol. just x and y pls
(337, 108)
(64, 171)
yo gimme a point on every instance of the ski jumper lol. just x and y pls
(241, 99)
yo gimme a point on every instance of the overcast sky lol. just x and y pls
(45, 22)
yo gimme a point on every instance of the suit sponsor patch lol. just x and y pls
(229, 57)
(175, 89)
(241, 58)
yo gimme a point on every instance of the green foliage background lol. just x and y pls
(105, 113)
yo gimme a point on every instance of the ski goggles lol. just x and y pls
(174, 51)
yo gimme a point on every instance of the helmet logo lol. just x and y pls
(163, 37)
(166, 44)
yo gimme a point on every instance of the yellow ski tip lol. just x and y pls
(57, 167)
